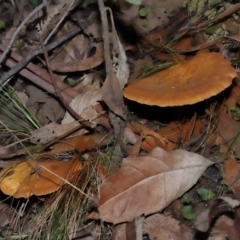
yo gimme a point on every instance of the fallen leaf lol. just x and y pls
(234, 96)
(231, 175)
(176, 132)
(83, 105)
(46, 108)
(148, 183)
(158, 226)
(229, 130)
(116, 78)
(234, 231)
(80, 143)
(217, 207)
(80, 65)
(151, 140)
(51, 131)
(112, 94)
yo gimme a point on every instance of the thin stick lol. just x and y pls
(59, 22)
(35, 52)
(38, 8)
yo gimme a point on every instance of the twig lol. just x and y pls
(35, 52)
(85, 122)
(38, 8)
(59, 22)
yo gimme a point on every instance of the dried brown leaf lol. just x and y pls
(112, 95)
(51, 131)
(148, 183)
(158, 226)
(80, 65)
(229, 130)
(217, 208)
(83, 104)
(231, 175)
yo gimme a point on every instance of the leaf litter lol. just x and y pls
(139, 109)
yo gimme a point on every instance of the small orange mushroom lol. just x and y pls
(203, 76)
(30, 177)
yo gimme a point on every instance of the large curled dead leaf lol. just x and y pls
(30, 177)
(148, 183)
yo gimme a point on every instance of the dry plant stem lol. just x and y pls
(139, 227)
(38, 8)
(75, 115)
(105, 36)
(118, 124)
(35, 52)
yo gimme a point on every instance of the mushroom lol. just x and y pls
(30, 177)
(203, 76)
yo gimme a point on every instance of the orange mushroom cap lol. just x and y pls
(26, 178)
(203, 76)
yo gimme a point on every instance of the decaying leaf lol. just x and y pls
(116, 78)
(112, 94)
(51, 131)
(229, 130)
(81, 143)
(83, 105)
(158, 226)
(151, 139)
(43, 106)
(148, 183)
(231, 175)
(30, 177)
(181, 131)
(217, 207)
(81, 65)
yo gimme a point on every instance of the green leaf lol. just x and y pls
(223, 182)
(234, 112)
(186, 199)
(205, 194)
(85, 3)
(136, 2)
(220, 157)
(143, 12)
(71, 82)
(35, 2)
(34, 148)
(188, 213)
(145, 23)
(2, 24)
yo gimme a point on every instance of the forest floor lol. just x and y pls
(119, 119)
